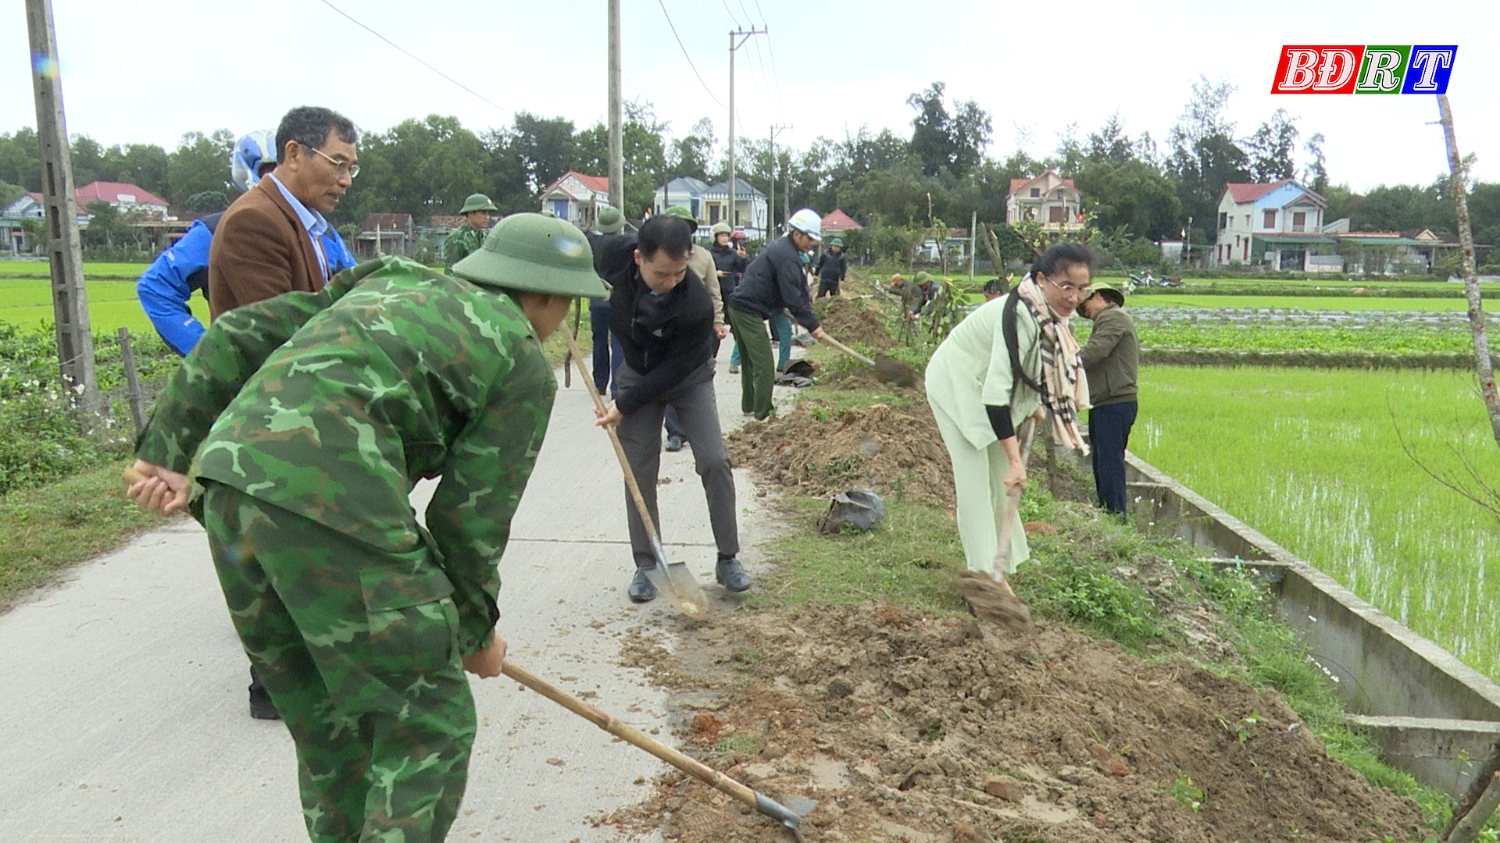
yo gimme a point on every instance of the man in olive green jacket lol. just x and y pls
(307, 418)
(1111, 359)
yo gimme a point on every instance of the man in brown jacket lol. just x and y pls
(269, 241)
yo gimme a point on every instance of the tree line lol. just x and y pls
(1134, 189)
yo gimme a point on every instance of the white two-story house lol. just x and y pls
(1277, 225)
(1048, 198)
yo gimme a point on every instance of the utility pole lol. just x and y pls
(737, 39)
(771, 210)
(70, 307)
(616, 143)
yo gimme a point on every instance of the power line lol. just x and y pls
(775, 77)
(685, 55)
(731, 14)
(410, 55)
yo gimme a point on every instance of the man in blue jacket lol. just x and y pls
(774, 281)
(167, 286)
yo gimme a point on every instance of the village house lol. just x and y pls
(1277, 225)
(576, 197)
(385, 234)
(1049, 199)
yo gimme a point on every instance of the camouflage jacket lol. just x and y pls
(464, 241)
(332, 405)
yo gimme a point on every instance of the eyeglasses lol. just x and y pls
(343, 166)
(1070, 290)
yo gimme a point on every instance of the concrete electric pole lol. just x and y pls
(616, 142)
(70, 307)
(771, 211)
(737, 39)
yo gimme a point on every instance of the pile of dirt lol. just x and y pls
(909, 727)
(855, 320)
(819, 452)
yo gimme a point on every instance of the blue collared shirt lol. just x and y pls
(312, 222)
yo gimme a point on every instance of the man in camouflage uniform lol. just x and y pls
(469, 236)
(307, 418)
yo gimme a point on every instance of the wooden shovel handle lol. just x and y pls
(847, 350)
(630, 734)
(1012, 503)
(635, 489)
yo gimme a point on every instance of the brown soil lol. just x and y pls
(909, 727)
(855, 320)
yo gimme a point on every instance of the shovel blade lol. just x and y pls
(677, 584)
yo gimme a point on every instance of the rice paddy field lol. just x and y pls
(26, 297)
(1313, 459)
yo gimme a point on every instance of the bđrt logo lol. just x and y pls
(1356, 69)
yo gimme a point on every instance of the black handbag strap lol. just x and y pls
(1012, 345)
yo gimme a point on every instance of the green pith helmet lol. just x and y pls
(721, 228)
(609, 221)
(1109, 291)
(922, 278)
(533, 253)
(477, 202)
(682, 213)
(836, 241)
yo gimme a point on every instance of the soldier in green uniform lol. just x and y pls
(469, 236)
(307, 418)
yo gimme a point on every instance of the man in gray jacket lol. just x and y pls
(1111, 358)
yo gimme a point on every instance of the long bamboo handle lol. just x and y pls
(635, 489)
(630, 734)
(847, 350)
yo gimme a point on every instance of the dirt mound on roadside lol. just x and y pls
(815, 451)
(855, 320)
(907, 727)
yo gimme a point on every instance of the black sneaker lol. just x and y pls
(641, 590)
(730, 575)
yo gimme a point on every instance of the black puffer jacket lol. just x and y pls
(667, 339)
(774, 282)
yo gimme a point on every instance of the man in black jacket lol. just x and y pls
(832, 265)
(664, 319)
(772, 282)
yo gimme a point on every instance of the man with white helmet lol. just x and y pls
(167, 286)
(772, 282)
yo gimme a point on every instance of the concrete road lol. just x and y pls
(122, 691)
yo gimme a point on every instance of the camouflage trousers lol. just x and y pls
(358, 648)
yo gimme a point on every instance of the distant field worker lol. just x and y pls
(997, 367)
(774, 281)
(307, 418)
(469, 236)
(832, 266)
(1112, 358)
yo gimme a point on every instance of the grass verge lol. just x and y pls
(48, 528)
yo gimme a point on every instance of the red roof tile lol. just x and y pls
(109, 191)
(1242, 192)
(1017, 184)
(837, 220)
(598, 184)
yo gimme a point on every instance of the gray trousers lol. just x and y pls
(640, 435)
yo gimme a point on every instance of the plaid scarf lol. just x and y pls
(1066, 387)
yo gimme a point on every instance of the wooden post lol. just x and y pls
(1466, 829)
(133, 382)
(75, 342)
(1482, 362)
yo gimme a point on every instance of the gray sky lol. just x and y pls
(150, 70)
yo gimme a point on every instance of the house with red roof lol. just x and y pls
(385, 234)
(1048, 199)
(576, 197)
(1278, 225)
(126, 198)
(838, 222)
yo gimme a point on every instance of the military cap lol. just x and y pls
(534, 253)
(477, 202)
(836, 241)
(609, 221)
(1109, 291)
(681, 212)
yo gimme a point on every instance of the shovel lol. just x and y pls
(631, 735)
(985, 595)
(886, 369)
(672, 579)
